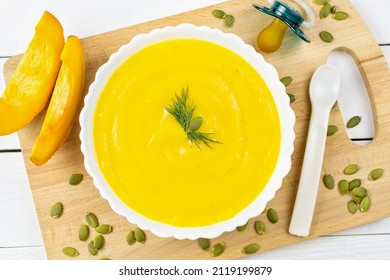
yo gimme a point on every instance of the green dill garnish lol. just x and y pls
(183, 112)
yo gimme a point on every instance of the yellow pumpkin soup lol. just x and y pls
(186, 133)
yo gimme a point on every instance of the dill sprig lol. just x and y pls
(183, 112)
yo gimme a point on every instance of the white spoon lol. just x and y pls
(324, 90)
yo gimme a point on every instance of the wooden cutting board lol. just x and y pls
(295, 58)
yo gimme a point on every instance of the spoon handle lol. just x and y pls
(310, 175)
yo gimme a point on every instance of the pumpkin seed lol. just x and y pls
(130, 237)
(251, 248)
(83, 232)
(357, 199)
(264, 211)
(352, 207)
(139, 235)
(260, 227)
(105, 259)
(365, 204)
(204, 243)
(70, 251)
(242, 228)
(91, 249)
(354, 121)
(75, 179)
(92, 220)
(98, 242)
(326, 36)
(333, 10)
(328, 181)
(218, 13)
(325, 10)
(375, 174)
(360, 192)
(56, 210)
(217, 249)
(320, 2)
(195, 124)
(332, 129)
(286, 80)
(272, 215)
(103, 229)
(343, 187)
(354, 184)
(291, 97)
(351, 169)
(229, 20)
(339, 15)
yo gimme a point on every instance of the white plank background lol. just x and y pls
(20, 236)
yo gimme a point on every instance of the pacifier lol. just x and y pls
(271, 37)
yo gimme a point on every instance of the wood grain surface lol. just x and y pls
(295, 58)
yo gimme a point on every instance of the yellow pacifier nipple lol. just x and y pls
(271, 37)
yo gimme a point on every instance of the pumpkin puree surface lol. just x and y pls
(145, 155)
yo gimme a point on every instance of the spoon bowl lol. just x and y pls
(325, 86)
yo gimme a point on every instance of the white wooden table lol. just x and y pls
(20, 236)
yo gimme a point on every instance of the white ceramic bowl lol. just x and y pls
(235, 44)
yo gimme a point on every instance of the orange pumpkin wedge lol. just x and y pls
(31, 85)
(64, 103)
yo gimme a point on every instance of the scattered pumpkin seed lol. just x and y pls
(375, 174)
(343, 187)
(251, 248)
(326, 36)
(204, 243)
(98, 242)
(56, 210)
(354, 121)
(195, 124)
(320, 2)
(325, 10)
(105, 259)
(70, 251)
(286, 80)
(360, 192)
(354, 184)
(328, 181)
(139, 235)
(229, 20)
(272, 215)
(130, 237)
(217, 249)
(91, 249)
(264, 211)
(365, 204)
(333, 10)
(92, 220)
(103, 229)
(332, 129)
(334, 106)
(351, 169)
(357, 199)
(352, 207)
(292, 97)
(83, 232)
(242, 228)
(75, 179)
(218, 13)
(339, 15)
(260, 227)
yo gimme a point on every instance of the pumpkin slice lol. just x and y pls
(31, 85)
(64, 103)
